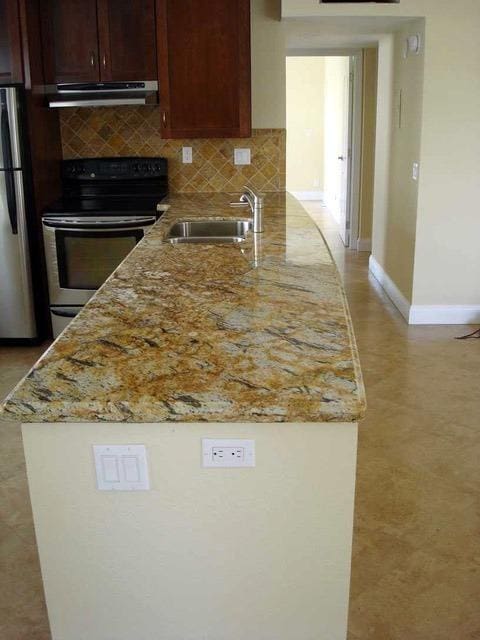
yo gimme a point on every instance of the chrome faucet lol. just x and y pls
(256, 205)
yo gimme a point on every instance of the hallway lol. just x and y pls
(416, 553)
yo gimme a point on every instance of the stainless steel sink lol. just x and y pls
(208, 231)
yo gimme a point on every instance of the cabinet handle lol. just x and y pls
(92, 59)
(104, 61)
(164, 118)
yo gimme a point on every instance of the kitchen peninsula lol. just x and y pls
(185, 342)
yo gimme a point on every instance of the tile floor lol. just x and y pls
(416, 552)
(22, 609)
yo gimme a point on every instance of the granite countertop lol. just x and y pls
(190, 333)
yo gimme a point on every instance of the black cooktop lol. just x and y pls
(111, 186)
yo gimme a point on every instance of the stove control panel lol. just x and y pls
(110, 169)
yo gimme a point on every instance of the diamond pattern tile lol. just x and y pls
(135, 131)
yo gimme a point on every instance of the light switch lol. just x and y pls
(415, 171)
(131, 469)
(242, 156)
(110, 471)
(121, 467)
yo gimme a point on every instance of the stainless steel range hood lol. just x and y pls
(102, 94)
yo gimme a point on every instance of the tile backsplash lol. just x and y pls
(135, 131)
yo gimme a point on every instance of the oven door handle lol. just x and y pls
(101, 225)
(63, 312)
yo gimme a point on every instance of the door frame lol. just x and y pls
(356, 112)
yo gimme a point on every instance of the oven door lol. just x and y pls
(82, 252)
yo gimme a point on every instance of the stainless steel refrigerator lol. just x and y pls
(17, 309)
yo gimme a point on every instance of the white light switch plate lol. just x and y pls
(228, 453)
(415, 171)
(121, 467)
(242, 156)
(187, 155)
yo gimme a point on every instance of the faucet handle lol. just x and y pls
(257, 197)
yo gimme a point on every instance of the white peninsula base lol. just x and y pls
(206, 554)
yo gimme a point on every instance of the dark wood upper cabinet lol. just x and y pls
(204, 68)
(99, 40)
(70, 40)
(127, 42)
(10, 43)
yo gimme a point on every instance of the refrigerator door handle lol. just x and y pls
(23, 243)
(11, 201)
(13, 128)
(7, 161)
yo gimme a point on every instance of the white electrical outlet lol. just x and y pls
(242, 156)
(121, 467)
(187, 155)
(228, 453)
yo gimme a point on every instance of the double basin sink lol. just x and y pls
(208, 231)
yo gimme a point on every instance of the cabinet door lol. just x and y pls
(127, 40)
(70, 40)
(204, 67)
(10, 48)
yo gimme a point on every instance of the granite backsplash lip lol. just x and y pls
(194, 333)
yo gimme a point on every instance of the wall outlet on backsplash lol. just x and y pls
(242, 156)
(187, 155)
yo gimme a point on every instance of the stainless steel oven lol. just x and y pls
(107, 206)
(81, 253)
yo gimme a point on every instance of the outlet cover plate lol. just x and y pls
(228, 453)
(187, 155)
(242, 156)
(121, 467)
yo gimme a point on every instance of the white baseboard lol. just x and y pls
(364, 244)
(332, 206)
(444, 314)
(391, 289)
(308, 195)
(423, 313)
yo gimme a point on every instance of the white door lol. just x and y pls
(344, 157)
(338, 126)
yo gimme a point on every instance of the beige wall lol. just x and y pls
(223, 554)
(268, 65)
(383, 138)
(447, 259)
(394, 233)
(305, 123)
(369, 113)
(447, 253)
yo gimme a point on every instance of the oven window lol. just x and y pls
(86, 259)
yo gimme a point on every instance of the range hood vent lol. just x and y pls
(102, 94)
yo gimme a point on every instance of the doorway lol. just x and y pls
(324, 111)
